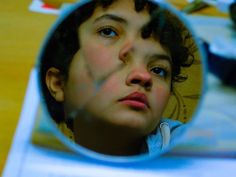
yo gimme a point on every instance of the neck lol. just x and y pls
(106, 139)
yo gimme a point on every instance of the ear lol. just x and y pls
(55, 84)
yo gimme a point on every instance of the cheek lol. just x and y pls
(78, 91)
(160, 98)
(99, 58)
(111, 88)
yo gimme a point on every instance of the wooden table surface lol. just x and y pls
(21, 35)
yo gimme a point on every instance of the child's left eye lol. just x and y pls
(108, 32)
(159, 71)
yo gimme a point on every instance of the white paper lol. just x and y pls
(39, 6)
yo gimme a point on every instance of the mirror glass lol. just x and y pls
(120, 78)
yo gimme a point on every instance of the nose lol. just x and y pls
(125, 50)
(139, 76)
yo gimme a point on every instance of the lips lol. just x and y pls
(136, 100)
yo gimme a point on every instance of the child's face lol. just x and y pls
(134, 73)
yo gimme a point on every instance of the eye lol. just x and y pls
(159, 71)
(108, 32)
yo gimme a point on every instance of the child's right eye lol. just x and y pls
(108, 32)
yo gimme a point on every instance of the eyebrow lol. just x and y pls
(111, 17)
(163, 57)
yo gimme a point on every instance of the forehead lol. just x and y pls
(125, 9)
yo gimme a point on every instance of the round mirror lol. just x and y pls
(120, 79)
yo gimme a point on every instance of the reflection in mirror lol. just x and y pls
(121, 77)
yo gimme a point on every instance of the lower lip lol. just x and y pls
(134, 104)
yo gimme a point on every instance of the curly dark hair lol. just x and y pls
(63, 43)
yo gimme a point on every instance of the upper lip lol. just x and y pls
(137, 96)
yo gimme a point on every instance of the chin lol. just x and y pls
(134, 122)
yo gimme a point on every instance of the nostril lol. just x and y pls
(147, 84)
(144, 83)
(135, 81)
